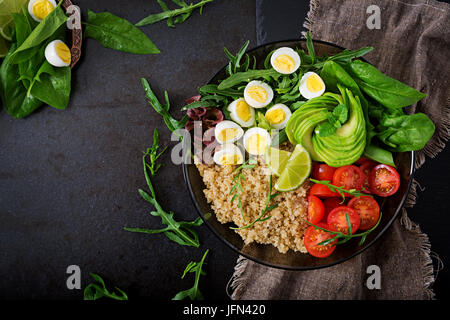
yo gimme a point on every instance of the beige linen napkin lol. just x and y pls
(411, 45)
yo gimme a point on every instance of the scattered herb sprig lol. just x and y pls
(163, 109)
(154, 155)
(175, 16)
(181, 232)
(94, 291)
(236, 189)
(342, 237)
(341, 190)
(262, 217)
(194, 292)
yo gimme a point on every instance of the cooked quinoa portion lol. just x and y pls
(287, 224)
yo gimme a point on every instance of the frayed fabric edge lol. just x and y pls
(237, 282)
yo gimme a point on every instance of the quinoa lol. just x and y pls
(285, 228)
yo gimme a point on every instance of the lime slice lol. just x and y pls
(3, 48)
(296, 171)
(276, 159)
(7, 7)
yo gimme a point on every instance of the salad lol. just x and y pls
(328, 124)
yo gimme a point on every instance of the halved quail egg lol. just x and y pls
(278, 116)
(228, 131)
(258, 94)
(242, 113)
(311, 85)
(256, 141)
(285, 60)
(228, 154)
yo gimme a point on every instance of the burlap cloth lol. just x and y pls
(412, 45)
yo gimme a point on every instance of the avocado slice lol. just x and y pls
(343, 147)
(348, 143)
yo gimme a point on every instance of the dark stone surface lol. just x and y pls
(69, 179)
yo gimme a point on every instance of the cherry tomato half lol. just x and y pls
(337, 220)
(384, 180)
(367, 209)
(315, 236)
(330, 204)
(366, 167)
(322, 191)
(349, 177)
(316, 209)
(322, 171)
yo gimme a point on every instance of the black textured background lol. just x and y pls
(69, 179)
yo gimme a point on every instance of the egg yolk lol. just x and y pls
(276, 116)
(256, 144)
(63, 51)
(314, 83)
(227, 134)
(42, 8)
(257, 93)
(284, 63)
(243, 110)
(230, 159)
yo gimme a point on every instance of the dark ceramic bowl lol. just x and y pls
(268, 254)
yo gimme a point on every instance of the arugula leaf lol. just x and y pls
(94, 291)
(261, 121)
(118, 34)
(175, 16)
(247, 76)
(310, 47)
(194, 292)
(235, 61)
(163, 109)
(341, 190)
(179, 232)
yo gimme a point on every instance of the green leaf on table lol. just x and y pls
(94, 291)
(13, 92)
(175, 16)
(181, 232)
(52, 85)
(194, 292)
(118, 34)
(163, 109)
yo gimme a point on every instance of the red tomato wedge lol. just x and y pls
(330, 204)
(337, 220)
(316, 209)
(366, 167)
(322, 191)
(349, 177)
(321, 171)
(315, 236)
(384, 180)
(367, 209)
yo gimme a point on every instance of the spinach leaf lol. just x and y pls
(405, 132)
(118, 34)
(52, 85)
(379, 154)
(175, 16)
(12, 92)
(42, 32)
(387, 91)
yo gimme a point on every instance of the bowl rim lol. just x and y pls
(296, 268)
